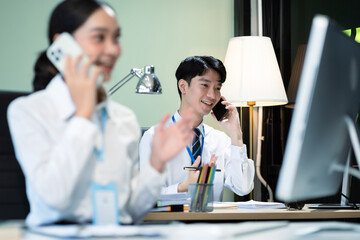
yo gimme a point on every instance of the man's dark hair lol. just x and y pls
(198, 66)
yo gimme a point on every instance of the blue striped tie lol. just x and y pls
(196, 149)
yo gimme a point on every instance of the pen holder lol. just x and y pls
(201, 196)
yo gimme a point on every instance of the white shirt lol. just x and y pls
(239, 170)
(56, 152)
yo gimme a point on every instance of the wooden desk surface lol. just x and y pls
(234, 214)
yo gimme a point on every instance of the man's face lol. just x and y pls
(203, 92)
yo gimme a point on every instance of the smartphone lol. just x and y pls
(66, 44)
(219, 110)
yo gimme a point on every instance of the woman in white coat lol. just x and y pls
(69, 137)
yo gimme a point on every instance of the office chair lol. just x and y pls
(143, 130)
(13, 199)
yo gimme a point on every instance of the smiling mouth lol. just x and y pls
(106, 67)
(208, 103)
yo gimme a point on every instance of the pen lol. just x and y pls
(199, 168)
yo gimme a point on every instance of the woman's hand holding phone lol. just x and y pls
(169, 141)
(82, 86)
(81, 76)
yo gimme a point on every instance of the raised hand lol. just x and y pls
(168, 142)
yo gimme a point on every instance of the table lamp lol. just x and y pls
(148, 81)
(253, 80)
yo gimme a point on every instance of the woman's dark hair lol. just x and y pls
(198, 66)
(68, 16)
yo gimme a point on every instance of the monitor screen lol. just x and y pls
(329, 90)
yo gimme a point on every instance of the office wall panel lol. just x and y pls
(157, 32)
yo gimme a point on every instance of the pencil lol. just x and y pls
(199, 168)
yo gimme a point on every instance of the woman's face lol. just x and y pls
(99, 38)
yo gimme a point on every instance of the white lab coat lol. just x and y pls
(56, 152)
(239, 170)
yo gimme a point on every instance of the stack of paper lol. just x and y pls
(173, 199)
(88, 231)
(250, 205)
(224, 205)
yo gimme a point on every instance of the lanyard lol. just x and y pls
(188, 149)
(100, 153)
(104, 197)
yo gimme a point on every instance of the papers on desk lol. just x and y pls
(167, 231)
(173, 199)
(249, 205)
(245, 230)
(89, 231)
(177, 202)
(220, 231)
(328, 226)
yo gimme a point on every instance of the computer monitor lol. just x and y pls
(327, 102)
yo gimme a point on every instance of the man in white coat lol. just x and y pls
(199, 81)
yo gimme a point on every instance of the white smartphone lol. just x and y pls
(66, 44)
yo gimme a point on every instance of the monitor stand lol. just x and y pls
(347, 170)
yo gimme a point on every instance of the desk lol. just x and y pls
(234, 214)
(280, 230)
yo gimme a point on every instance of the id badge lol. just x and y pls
(104, 204)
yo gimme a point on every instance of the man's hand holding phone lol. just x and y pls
(219, 110)
(229, 120)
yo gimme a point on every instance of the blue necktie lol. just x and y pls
(196, 149)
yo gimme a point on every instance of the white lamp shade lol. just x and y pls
(253, 74)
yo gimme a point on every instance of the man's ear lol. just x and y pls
(183, 85)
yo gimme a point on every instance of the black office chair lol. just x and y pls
(13, 199)
(143, 130)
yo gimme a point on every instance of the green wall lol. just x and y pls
(157, 32)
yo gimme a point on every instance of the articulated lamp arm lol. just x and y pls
(148, 82)
(119, 84)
